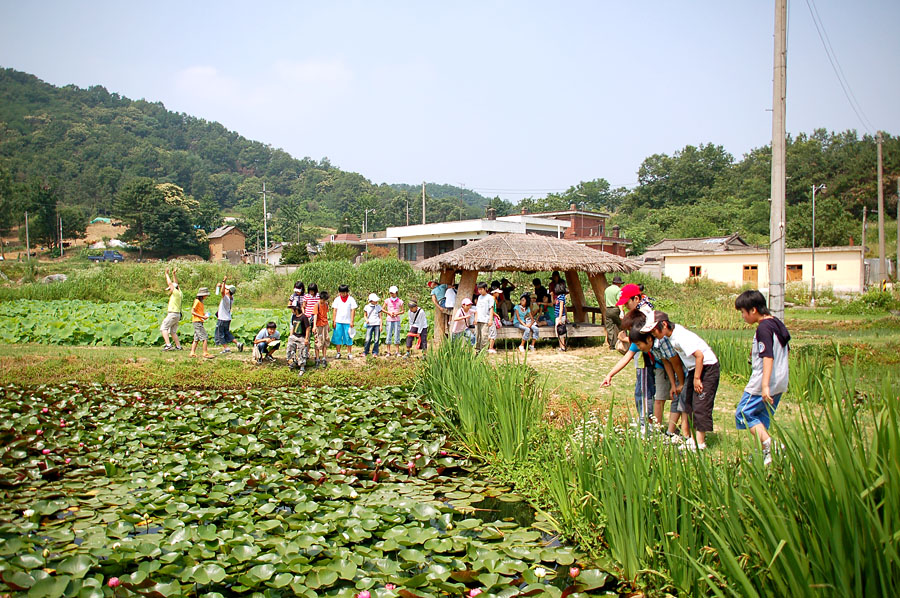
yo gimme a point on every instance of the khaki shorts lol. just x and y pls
(321, 337)
(200, 333)
(170, 322)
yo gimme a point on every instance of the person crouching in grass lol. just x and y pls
(198, 317)
(769, 377)
(701, 380)
(266, 343)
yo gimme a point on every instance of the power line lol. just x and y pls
(836, 66)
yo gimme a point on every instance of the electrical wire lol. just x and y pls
(836, 67)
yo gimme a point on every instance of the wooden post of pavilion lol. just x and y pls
(441, 319)
(576, 293)
(599, 285)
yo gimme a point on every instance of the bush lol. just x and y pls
(869, 302)
(295, 253)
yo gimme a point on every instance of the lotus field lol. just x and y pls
(123, 323)
(120, 492)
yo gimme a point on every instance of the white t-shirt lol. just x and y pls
(686, 343)
(483, 309)
(450, 298)
(344, 309)
(373, 314)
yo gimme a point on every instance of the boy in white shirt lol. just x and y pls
(484, 316)
(343, 311)
(701, 381)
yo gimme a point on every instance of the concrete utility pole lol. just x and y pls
(776, 216)
(423, 203)
(27, 238)
(815, 188)
(882, 262)
(265, 223)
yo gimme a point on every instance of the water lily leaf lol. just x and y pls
(171, 588)
(206, 532)
(321, 577)
(17, 579)
(76, 566)
(28, 561)
(591, 579)
(262, 572)
(415, 556)
(215, 573)
(281, 580)
(346, 569)
(244, 552)
(49, 587)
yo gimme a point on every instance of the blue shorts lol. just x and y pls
(341, 335)
(752, 411)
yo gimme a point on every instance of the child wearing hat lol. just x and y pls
(393, 310)
(374, 320)
(462, 322)
(198, 317)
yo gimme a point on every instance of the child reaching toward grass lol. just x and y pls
(769, 377)
(701, 379)
(668, 371)
(645, 382)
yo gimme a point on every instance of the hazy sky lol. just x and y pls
(507, 98)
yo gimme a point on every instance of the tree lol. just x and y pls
(134, 204)
(8, 201)
(41, 201)
(335, 252)
(295, 253)
(169, 231)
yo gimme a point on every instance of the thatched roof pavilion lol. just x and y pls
(530, 253)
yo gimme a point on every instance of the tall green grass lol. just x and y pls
(492, 410)
(823, 520)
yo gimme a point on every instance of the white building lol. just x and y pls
(838, 268)
(422, 241)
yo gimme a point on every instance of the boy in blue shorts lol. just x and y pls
(769, 378)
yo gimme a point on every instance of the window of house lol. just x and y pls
(751, 274)
(832, 267)
(794, 272)
(694, 271)
(409, 252)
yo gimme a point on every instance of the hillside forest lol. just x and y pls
(81, 153)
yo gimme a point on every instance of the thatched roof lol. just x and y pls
(537, 253)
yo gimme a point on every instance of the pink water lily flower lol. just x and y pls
(45, 451)
(474, 592)
(390, 586)
(364, 594)
(113, 582)
(573, 572)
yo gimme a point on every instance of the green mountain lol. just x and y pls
(91, 141)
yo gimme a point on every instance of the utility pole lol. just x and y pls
(882, 262)
(27, 238)
(407, 211)
(815, 188)
(776, 216)
(366, 227)
(423, 202)
(60, 237)
(265, 223)
(865, 229)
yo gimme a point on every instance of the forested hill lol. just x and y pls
(91, 141)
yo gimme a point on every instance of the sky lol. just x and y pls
(510, 98)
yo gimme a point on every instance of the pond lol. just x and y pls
(263, 493)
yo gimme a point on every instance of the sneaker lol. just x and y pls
(521, 349)
(338, 357)
(270, 359)
(179, 348)
(292, 366)
(240, 347)
(767, 449)
(349, 355)
(301, 372)
(168, 348)
(691, 445)
(226, 350)
(492, 351)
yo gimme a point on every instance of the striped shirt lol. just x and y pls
(310, 302)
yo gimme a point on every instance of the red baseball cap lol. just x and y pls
(628, 291)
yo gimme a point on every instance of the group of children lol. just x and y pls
(674, 364)
(492, 308)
